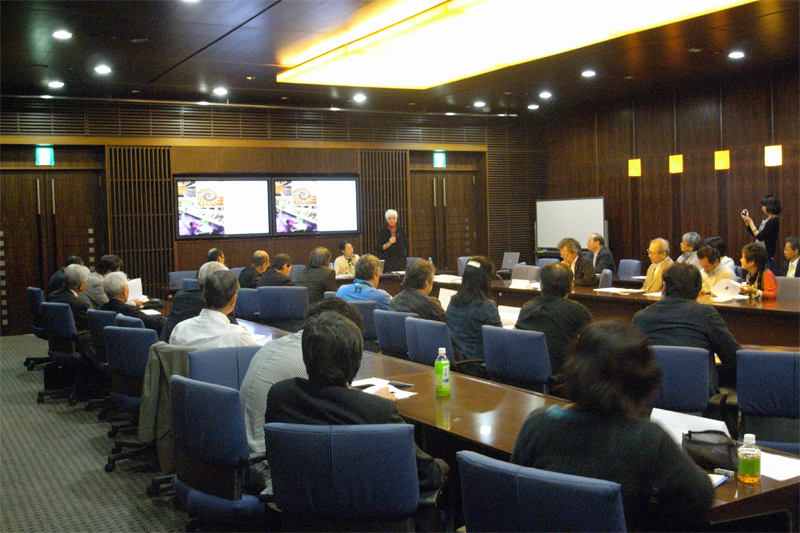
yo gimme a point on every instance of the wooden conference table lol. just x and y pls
(485, 417)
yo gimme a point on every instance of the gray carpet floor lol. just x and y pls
(52, 457)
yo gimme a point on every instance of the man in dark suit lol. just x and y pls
(115, 286)
(679, 320)
(791, 267)
(75, 278)
(602, 258)
(56, 281)
(332, 350)
(250, 276)
(317, 276)
(582, 269)
(278, 274)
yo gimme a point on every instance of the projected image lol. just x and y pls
(231, 207)
(315, 206)
(296, 206)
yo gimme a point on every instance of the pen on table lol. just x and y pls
(724, 472)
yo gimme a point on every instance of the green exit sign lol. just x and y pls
(45, 156)
(439, 160)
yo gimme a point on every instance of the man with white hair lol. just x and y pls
(115, 285)
(188, 303)
(75, 278)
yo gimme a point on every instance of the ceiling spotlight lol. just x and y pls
(533, 106)
(335, 108)
(62, 34)
(46, 96)
(134, 91)
(545, 94)
(55, 84)
(588, 74)
(736, 54)
(102, 69)
(479, 103)
(359, 98)
(694, 50)
(220, 91)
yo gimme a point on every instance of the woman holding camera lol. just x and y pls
(767, 232)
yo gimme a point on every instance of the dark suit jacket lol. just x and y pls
(605, 259)
(318, 280)
(186, 304)
(78, 306)
(395, 255)
(56, 281)
(679, 322)
(249, 278)
(150, 321)
(584, 273)
(411, 301)
(297, 401)
(785, 268)
(273, 278)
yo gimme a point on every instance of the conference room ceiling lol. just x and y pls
(181, 51)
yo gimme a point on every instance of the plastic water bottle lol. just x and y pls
(442, 367)
(749, 461)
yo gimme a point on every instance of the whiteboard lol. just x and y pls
(577, 218)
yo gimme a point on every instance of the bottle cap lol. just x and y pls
(442, 351)
(749, 438)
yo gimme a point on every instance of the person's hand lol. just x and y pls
(138, 303)
(748, 289)
(384, 392)
(392, 240)
(703, 292)
(747, 220)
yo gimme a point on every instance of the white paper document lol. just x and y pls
(508, 315)
(639, 277)
(618, 290)
(676, 424)
(151, 312)
(779, 467)
(135, 290)
(447, 278)
(444, 297)
(726, 289)
(370, 385)
(520, 284)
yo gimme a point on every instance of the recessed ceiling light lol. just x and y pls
(412, 103)
(46, 96)
(512, 115)
(102, 69)
(502, 114)
(533, 106)
(736, 54)
(284, 97)
(588, 74)
(220, 91)
(134, 91)
(628, 77)
(139, 40)
(55, 84)
(479, 103)
(449, 113)
(359, 98)
(545, 94)
(62, 34)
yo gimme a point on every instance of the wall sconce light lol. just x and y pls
(676, 164)
(773, 155)
(634, 168)
(722, 160)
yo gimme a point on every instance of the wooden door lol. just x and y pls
(460, 215)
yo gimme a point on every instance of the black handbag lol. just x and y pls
(711, 449)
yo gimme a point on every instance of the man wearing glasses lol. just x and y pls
(659, 257)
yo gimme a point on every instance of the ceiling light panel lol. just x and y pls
(463, 38)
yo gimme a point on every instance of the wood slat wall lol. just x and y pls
(384, 185)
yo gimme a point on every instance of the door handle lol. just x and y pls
(434, 191)
(53, 190)
(444, 192)
(38, 198)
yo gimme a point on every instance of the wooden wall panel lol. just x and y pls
(614, 137)
(384, 185)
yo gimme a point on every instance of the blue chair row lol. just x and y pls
(35, 301)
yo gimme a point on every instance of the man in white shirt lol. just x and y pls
(212, 329)
(710, 268)
(791, 251)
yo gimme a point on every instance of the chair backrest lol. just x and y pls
(528, 272)
(768, 383)
(684, 378)
(366, 308)
(296, 269)
(190, 283)
(516, 355)
(606, 277)
(390, 329)
(175, 279)
(546, 261)
(35, 301)
(98, 320)
(128, 321)
(500, 496)
(282, 303)
(237, 271)
(461, 263)
(629, 268)
(222, 366)
(788, 289)
(424, 338)
(247, 303)
(329, 294)
(58, 322)
(409, 259)
(343, 472)
(127, 350)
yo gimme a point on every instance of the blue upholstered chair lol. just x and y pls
(296, 269)
(684, 378)
(211, 456)
(175, 279)
(283, 307)
(127, 350)
(190, 283)
(409, 259)
(546, 261)
(788, 289)
(247, 304)
(768, 392)
(366, 308)
(237, 271)
(528, 272)
(629, 268)
(500, 496)
(390, 328)
(517, 357)
(461, 263)
(329, 294)
(128, 322)
(424, 338)
(345, 478)
(221, 366)
(606, 277)
(35, 301)
(59, 328)
(98, 320)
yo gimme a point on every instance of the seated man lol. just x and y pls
(602, 258)
(791, 251)
(276, 361)
(554, 314)
(278, 274)
(346, 263)
(659, 257)
(415, 297)
(711, 269)
(582, 270)
(75, 278)
(365, 286)
(332, 350)
(249, 277)
(56, 281)
(115, 286)
(718, 243)
(215, 254)
(679, 320)
(94, 294)
(690, 243)
(317, 276)
(212, 329)
(188, 303)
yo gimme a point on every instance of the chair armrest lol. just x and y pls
(253, 458)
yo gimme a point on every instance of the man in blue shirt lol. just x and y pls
(365, 286)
